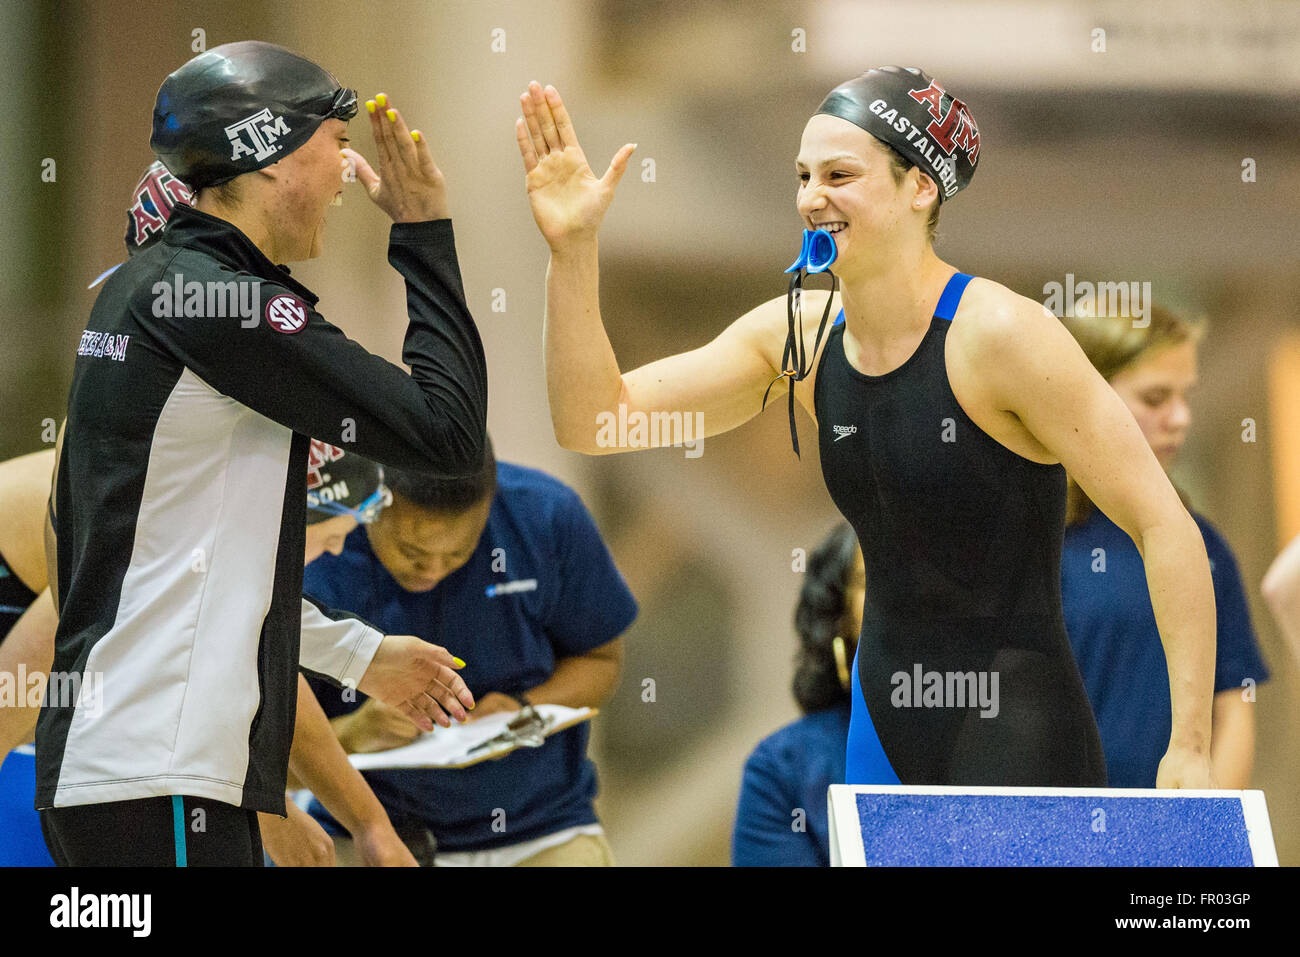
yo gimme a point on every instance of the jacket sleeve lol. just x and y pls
(287, 362)
(336, 646)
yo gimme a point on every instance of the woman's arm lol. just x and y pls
(1232, 745)
(1281, 589)
(28, 649)
(1023, 362)
(723, 381)
(319, 762)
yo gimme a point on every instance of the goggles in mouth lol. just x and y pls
(818, 253)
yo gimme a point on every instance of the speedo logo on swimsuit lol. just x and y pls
(843, 431)
(510, 588)
(257, 135)
(104, 345)
(946, 689)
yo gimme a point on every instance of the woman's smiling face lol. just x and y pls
(847, 187)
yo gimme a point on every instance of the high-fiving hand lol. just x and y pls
(409, 187)
(567, 199)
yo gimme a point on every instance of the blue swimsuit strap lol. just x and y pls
(947, 307)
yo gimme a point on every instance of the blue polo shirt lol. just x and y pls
(789, 771)
(1112, 630)
(567, 598)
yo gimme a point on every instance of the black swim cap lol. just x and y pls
(906, 109)
(239, 107)
(343, 483)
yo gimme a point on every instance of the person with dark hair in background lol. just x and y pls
(509, 565)
(1151, 365)
(782, 819)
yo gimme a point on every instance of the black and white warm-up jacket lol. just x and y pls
(180, 505)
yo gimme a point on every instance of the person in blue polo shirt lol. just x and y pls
(433, 565)
(1151, 364)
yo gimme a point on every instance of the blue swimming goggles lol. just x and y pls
(365, 513)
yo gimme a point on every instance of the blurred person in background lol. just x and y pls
(27, 623)
(1108, 613)
(509, 565)
(781, 820)
(1281, 589)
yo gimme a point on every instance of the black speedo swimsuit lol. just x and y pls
(963, 673)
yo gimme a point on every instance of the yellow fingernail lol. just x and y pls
(459, 663)
(415, 135)
(381, 99)
(471, 707)
(370, 105)
(392, 116)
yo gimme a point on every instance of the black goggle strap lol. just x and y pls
(795, 350)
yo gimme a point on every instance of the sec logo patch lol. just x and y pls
(287, 314)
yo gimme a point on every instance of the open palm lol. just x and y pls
(568, 200)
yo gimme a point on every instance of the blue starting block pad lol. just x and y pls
(921, 826)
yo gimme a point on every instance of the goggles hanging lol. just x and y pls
(816, 256)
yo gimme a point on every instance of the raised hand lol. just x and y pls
(409, 187)
(567, 199)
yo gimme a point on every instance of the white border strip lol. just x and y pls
(1258, 829)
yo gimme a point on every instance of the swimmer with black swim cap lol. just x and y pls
(926, 127)
(946, 406)
(179, 508)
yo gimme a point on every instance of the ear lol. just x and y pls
(927, 191)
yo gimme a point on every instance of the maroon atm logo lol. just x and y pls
(318, 456)
(155, 196)
(286, 313)
(954, 129)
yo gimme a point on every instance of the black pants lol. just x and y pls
(153, 832)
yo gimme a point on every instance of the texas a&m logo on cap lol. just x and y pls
(950, 129)
(256, 135)
(151, 204)
(286, 313)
